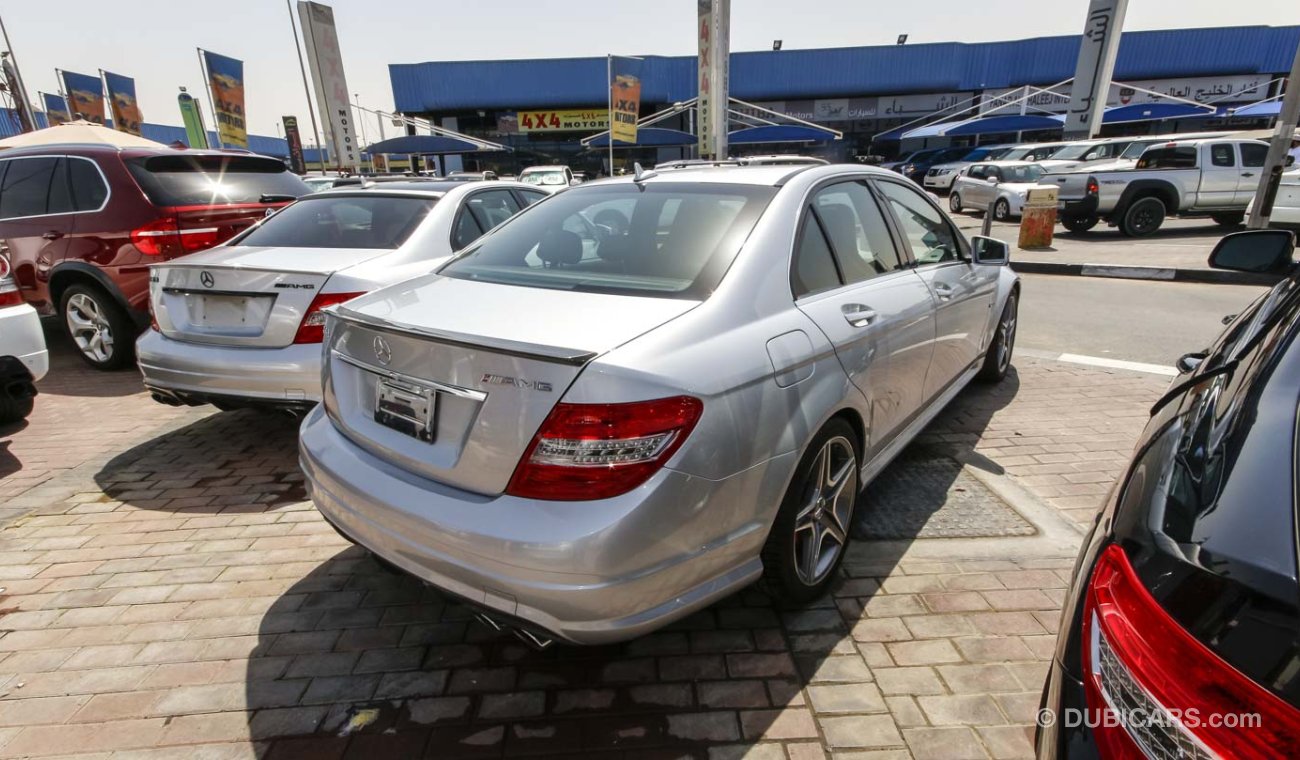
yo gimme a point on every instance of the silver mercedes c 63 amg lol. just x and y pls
(634, 399)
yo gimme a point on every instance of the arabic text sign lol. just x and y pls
(570, 120)
(897, 106)
(1246, 88)
(122, 101)
(626, 96)
(226, 81)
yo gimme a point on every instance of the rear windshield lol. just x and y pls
(328, 221)
(673, 240)
(195, 180)
(554, 177)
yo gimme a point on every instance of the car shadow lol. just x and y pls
(229, 459)
(356, 660)
(69, 375)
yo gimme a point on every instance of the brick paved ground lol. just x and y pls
(171, 595)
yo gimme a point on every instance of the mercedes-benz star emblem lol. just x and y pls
(207, 279)
(383, 352)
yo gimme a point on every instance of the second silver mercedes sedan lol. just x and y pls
(646, 393)
(241, 324)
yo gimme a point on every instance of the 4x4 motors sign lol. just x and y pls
(567, 120)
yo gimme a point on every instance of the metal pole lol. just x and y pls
(212, 102)
(306, 88)
(18, 75)
(1283, 134)
(609, 92)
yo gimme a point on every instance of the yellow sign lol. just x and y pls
(626, 95)
(571, 120)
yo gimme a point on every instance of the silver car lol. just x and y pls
(241, 324)
(640, 396)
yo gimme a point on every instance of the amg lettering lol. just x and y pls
(489, 379)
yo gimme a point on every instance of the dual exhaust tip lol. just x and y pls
(534, 640)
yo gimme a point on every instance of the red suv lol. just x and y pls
(82, 223)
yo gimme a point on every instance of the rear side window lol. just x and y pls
(814, 266)
(673, 240)
(207, 180)
(492, 207)
(1253, 155)
(26, 187)
(88, 189)
(530, 197)
(1182, 157)
(371, 222)
(60, 198)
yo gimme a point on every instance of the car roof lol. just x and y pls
(1007, 163)
(547, 167)
(772, 175)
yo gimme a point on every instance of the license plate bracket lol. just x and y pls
(408, 409)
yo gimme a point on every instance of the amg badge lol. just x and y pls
(516, 382)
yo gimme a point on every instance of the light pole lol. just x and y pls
(306, 88)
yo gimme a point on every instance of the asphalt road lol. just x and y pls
(1131, 320)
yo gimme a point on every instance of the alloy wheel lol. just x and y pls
(1007, 335)
(1001, 210)
(821, 528)
(89, 327)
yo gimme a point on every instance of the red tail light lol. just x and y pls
(312, 329)
(1137, 657)
(9, 295)
(1093, 187)
(596, 451)
(164, 237)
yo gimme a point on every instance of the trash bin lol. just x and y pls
(1038, 221)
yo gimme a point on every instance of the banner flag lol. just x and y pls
(196, 133)
(226, 81)
(56, 109)
(321, 40)
(121, 99)
(626, 96)
(297, 163)
(85, 96)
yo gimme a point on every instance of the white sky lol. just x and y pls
(154, 41)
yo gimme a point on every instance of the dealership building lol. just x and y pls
(876, 97)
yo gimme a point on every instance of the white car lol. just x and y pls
(552, 179)
(941, 176)
(23, 358)
(1004, 184)
(241, 324)
(1286, 206)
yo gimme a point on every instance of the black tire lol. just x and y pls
(1079, 224)
(1143, 217)
(15, 409)
(804, 508)
(954, 202)
(1229, 219)
(1002, 210)
(103, 333)
(997, 361)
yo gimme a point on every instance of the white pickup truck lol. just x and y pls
(1207, 177)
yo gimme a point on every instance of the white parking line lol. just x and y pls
(1101, 361)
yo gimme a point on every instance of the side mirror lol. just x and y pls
(987, 250)
(1187, 363)
(991, 180)
(575, 182)
(1260, 251)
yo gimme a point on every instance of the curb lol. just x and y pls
(1167, 274)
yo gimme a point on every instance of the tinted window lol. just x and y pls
(1253, 155)
(814, 267)
(1221, 154)
(1023, 174)
(530, 197)
(324, 221)
(88, 189)
(933, 240)
(1183, 157)
(198, 180)
(978, 172)
(492, 208)
(26, 187)
(60, 200)
(466, 231)
(661, 239)
(857, 231)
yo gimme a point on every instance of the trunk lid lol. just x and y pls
(244, 295)
(450, 379)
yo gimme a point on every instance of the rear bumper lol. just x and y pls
(1078, 208)
(197, 373)
(584, 572)
(21, 337)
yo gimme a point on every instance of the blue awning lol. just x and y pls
(658, 137)
(425, 144)
(1271, 108)
(1155, 112)
(981, 126)
(779, 133)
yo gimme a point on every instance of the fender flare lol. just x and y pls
(78, 270)
(1143, 188)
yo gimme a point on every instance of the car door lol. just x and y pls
(32, 237)
(974, 190)
(1253, 156)
(963, 292)
(849, 277)
(1220, 175)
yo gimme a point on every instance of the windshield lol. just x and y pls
(984, 154)
(1072, 152)
(1015, 154)
(203, 180)
(1025, 174)
(673, 240)
(542, 178)
(1135, 150)
(332, 221)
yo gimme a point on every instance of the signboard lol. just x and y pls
(626, 96)
(226, 82)
(951, 103)
(1095, 66)
(195, 133)
(85, 96)
(297, 164)
(1244, 88)
(122, 102)
(322, 42)
(712, 71)
(56, 109)
(564, 120)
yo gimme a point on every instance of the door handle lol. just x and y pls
(1248, 174)
(943, 290)
(858, 315)
(52, 235)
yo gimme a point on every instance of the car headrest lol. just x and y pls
(560, 247)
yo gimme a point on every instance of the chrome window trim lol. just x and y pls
(92, 162)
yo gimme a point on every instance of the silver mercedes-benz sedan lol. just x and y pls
(637, 397)
(241, 324)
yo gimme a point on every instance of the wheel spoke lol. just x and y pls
(833, 526)
(812, 555)
(841, 479)
(79, 321)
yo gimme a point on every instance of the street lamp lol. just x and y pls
(776, 44)
(902, 39)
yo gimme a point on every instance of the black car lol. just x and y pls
(1180, 637)
(918, 164)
